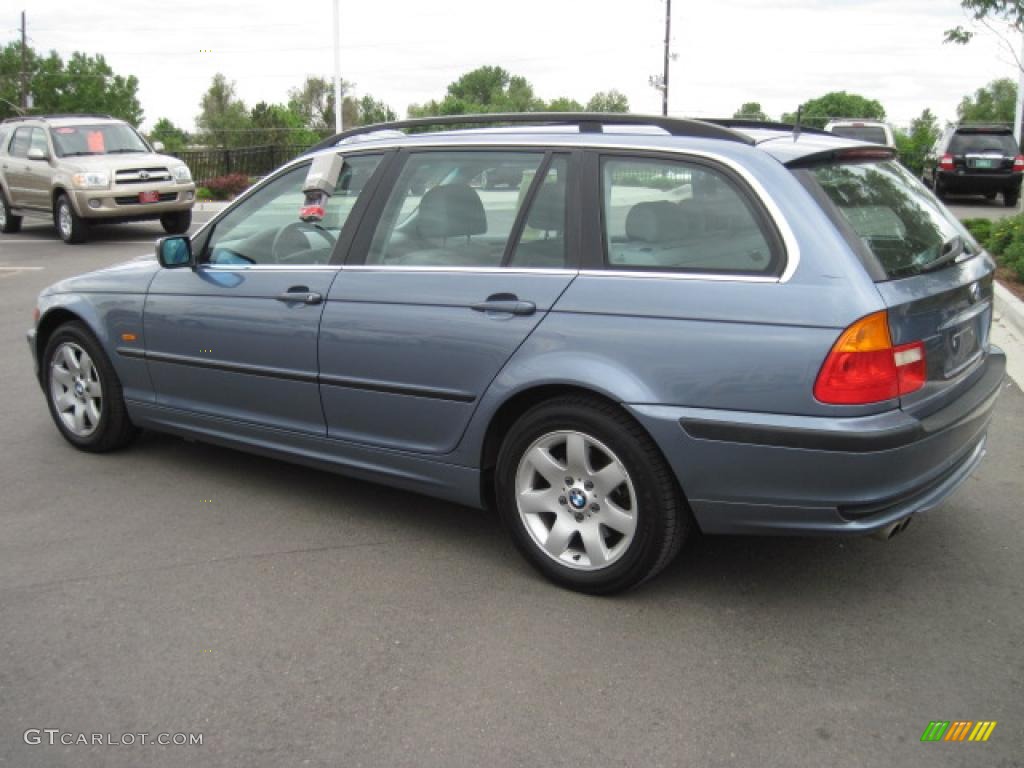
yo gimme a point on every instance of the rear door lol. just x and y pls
(236, 337)
(936, 283)
(464, 255)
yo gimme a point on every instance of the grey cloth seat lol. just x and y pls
(448, 217)
(548, 215)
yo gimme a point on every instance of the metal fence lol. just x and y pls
(207, 164)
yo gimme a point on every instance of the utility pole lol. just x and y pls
(24, 64)
(337, 72)
(664, 77)
(1019, 116)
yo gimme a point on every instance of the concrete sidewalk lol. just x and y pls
(1008, 331)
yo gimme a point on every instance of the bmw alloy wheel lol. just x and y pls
(75, 389)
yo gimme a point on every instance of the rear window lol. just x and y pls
(979, 143)
(873, 133)
(896, 218)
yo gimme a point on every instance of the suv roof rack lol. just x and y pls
(588, 122)
(57, 116)
(743, 122)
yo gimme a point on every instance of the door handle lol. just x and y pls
(300, 294)
(507, 303)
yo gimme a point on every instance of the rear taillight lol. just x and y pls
(1018, 163)
(864, 366)
(946, 163)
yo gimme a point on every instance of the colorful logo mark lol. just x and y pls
(958, 730)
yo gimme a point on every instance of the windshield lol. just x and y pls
(899, 220)
(103, 139)
(872, 133)
(981, 143)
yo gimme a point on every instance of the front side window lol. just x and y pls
(38, 141)
(453, 209)
(680, 216)
(265, 228)
(99, 139)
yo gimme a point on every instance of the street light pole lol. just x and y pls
(24, 64)
(337, 72)
(664, 77)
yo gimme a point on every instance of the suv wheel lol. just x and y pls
(1010, 197)
(587, 496)
(69, 224)
(176, 223)
(9, 223)
(83, 391)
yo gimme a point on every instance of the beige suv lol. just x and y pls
(82, 169)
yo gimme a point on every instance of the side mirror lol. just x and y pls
(158, 146)
(35, 153)
(174, 252)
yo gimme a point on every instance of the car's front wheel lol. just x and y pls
(176, 223)
(83, 391)
(70, 226)
(587, 496)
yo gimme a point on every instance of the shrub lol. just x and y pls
(227, 187)
(1013, 258)
(203, 193)
(980, 228)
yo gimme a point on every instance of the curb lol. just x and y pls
(1010, 307)
(210, 207)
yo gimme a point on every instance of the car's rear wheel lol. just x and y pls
(70, 226)
(9, 223)
(990, 195)
(938, 188)
(176, 223)
(83, 391)
(1010, 197)
(587, 496)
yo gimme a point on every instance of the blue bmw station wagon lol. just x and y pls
(651, 326)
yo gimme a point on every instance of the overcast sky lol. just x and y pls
(779, 53)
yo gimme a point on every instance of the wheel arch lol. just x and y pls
(51, 320)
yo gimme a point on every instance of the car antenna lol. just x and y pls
(796, 128)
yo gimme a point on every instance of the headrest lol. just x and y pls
(450, 211)
(657, 221)
(548, 210)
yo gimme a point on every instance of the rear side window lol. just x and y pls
(895, 217)
(980, 143)
(872, 133)
(675, 215)
(21, 141)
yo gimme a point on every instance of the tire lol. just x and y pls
(938, 188)
(9, 223)
(636, 527)
(69, 224)
(990, 196)
(176, 223)
(77, 374)
(1010, 198)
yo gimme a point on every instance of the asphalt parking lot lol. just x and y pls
(296, 618)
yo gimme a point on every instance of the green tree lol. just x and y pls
(994, 103)
(750, 110)
(608, 101)
(1008, 13)
(815, 113)
(313, 102)
(564, 104)
(277, 125)
(173, 138)
(485, 89)
(224, 120)
(368, 111)
(913, 145)
(83, 83)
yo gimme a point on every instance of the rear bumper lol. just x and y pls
(979, 182)
(755, 473)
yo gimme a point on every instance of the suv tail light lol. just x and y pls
(946, 162)
(1018, 163)
(864, 367)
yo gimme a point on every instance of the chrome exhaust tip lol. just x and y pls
(886, 533)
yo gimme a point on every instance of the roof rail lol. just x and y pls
(742, 122)
(58, 116)
(588, 122)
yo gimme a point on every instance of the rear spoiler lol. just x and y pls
(845, 155)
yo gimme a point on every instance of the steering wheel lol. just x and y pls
(290, 240)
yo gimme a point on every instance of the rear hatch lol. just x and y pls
(937, 284)
(981, 150)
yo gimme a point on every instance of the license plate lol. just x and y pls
(149, 197)
(980, 163)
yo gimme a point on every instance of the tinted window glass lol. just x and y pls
(266, 229)
(20, 142)
(542, 243)
(893, 214)
(453, 209)
(971, 143)
(872, 133)
(101, 139)
(662, 214)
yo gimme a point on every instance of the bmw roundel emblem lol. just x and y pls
(577, 498)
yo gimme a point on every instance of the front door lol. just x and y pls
(468, 252)
(236, 338)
